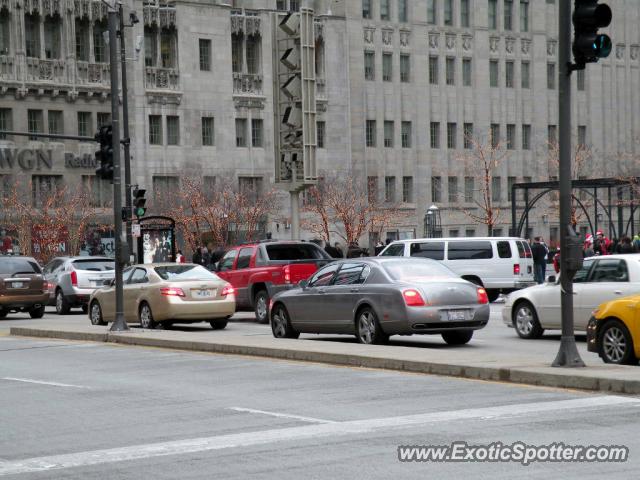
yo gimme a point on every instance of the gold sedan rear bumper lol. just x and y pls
(174, 308)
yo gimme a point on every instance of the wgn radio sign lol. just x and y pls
(27, 159)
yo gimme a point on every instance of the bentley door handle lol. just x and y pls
(354, 290)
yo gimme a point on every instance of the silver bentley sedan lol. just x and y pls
(373, 298)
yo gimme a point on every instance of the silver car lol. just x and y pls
(72, 280)
(374, 298)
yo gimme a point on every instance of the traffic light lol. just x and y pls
(139, 202)
(295, 100)
(588, 44)
(104, 156)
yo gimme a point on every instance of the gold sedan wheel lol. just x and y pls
(146, 317)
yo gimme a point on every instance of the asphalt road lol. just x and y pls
(94, 411)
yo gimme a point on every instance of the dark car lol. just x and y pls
(22, 286)
(374, 298)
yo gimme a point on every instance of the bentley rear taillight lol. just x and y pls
(482, 296)
(412, 298)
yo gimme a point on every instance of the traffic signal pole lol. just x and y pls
(568, 355)
(125, 132)
(119, 323)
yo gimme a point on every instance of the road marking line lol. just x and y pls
(281, 415)
(263, 437)
(41, 382)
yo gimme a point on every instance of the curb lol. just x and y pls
(565, 378)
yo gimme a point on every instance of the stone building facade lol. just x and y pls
(399, 85)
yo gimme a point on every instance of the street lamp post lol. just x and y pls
(432, 222)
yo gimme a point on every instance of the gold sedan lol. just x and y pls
(167, 293)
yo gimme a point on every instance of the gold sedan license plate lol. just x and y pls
(207, 293)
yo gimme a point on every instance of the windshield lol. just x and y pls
(94, 265)
(417, 271)
(185, 272)
(295, 251)
(12, 266)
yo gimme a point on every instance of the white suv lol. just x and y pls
(499, 264)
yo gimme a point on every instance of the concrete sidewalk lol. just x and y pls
(476, 360)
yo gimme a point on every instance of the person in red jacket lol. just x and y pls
(601, 244)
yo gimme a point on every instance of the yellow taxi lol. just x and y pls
(613, 331)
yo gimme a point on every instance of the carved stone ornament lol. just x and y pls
(509, 44)
(434, 38)
(551, 47)
(237, 24)
(248, 102)
(321, 106)
(494, 43)
(165, 99)
(450, 41)
(72, 95)
(318, 30)
(387, 36)
(405, 36)
(252, 25)
(467, 42)
(633, 51)
(368, 35)
(620, 51)
(525, 46)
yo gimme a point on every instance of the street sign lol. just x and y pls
(135, 230)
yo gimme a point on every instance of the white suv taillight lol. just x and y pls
(516, 269)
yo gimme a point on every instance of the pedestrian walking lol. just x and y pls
(197, 256)
(378, 248)
(625, 245)
(339, 250)
(180, 257)
(539, 254)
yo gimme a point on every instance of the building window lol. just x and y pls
(104, 118)
(551, 76)
(370, 133)
(387, 67)
(432, 6)
(99, 45)
(493, 73)
(150, 46)
(470, 232)
(237, 56)
(496, 192)
(508, 14)
(384, 9)
(436, 189)
(85, 126)
(493, 14)
(511, 136)
(155, 129)
(82, 40)
(319, 58)
(406, 134)
(433, 70)
(407, 189)
(5, 39)
(448, 12)
(450, 71)
(54, 118)
(454, 232)
(525, 74)
(241, 132)
(405, 68)
(169, 47)
(582, 135)
(165, 186)
(468, 135)
(34, 122)
(434, 130)
(369, 66)
(52, 36)
(100, 191)
(509, 74)
(495, 135)
(453, 189)
(464, 14)
(526, 137)
(257, 132)
(452, 131)
(43, 187)
(469, 186)
(366, 8)
(580, 79)
(173, 130)
(205, 54)
(389, 189)
(466, 72)
(253, 54)
(208, 133)
(6, 122)
(388, 133)
(320, 133)
(524, 15)
(402, 11)
(250, 187)
(510, 183)
(32, 35)
(552, 135)
(372, 189)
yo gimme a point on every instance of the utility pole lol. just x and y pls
(568, 355)
(125, 132)
(120, 324)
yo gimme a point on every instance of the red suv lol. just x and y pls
(258, 271)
